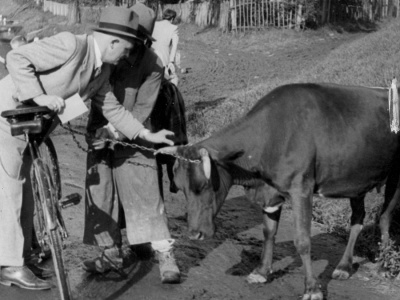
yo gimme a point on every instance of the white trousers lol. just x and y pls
(16, 203)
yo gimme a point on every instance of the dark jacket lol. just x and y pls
(169, 113)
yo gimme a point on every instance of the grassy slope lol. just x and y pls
(370, 61)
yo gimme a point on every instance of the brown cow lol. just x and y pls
(301, 139)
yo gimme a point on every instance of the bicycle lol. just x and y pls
(34, 122)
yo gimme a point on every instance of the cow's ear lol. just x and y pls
(233, 156)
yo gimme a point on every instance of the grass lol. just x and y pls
(369, 61)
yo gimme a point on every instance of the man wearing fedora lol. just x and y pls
(45, 73)
(125, 178)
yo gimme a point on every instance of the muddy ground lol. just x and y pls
(218, 65)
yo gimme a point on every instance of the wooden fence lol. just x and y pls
(255, 14)
(243, 15)
(367, 10)
(240, 15)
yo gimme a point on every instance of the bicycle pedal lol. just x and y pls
(70, 200)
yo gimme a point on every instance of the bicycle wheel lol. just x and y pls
(49, 157)
(58, 261)
(46, 199)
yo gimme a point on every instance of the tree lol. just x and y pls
(74, 13)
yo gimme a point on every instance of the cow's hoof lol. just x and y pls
(340, 274)
(255, 277)
(313, 296)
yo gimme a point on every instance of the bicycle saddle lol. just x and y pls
(26, 119)
(25, 110)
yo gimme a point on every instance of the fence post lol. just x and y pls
(299, 15)
(232, 5)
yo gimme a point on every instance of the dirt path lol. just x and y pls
(216, 269)
(220, 64)
(213, 269)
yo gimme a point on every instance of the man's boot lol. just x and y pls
(110, 259)
(168, 269)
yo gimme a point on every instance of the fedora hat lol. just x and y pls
(118, 21)
(147, 18)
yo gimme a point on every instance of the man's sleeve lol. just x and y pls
(148, 91)
(115, 113)
(174, 46)
(47, 54)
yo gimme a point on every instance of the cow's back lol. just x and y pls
(337, 136)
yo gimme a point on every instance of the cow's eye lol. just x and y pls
(200, 187)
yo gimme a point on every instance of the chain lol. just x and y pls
(74, 132)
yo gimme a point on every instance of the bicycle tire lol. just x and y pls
(45, 197)
(49, 157)
(58, 261)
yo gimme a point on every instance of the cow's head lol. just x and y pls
(203, 187)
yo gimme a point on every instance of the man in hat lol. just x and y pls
(125, 176)
(45, 73)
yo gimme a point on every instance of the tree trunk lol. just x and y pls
(390, 8)
(74, 13)
(328, 12)
(324, 11)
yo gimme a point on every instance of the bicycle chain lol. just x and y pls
(125, 144)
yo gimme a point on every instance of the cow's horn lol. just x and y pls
(205, 159)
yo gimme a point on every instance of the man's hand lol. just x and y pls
(54, 103)
(99, 141)
(159, 137)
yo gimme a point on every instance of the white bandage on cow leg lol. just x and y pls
(271, 209)
(255, 277)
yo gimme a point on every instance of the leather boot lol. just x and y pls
(110, 259)
(23, 277)
(40, 271)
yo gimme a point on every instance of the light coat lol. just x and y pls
(166, 36)
(60, 65)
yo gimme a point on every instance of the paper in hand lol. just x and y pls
(74, 107)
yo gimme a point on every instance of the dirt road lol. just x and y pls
(215, 269)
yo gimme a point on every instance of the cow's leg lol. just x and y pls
(271, 221)
(302, 213)
(345, 265)
(392, 195)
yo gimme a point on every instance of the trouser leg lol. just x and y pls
(139, 192)
(101, 204)
(28, 204)
(11, 202)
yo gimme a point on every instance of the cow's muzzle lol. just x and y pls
(201, 234)
(196, 236)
